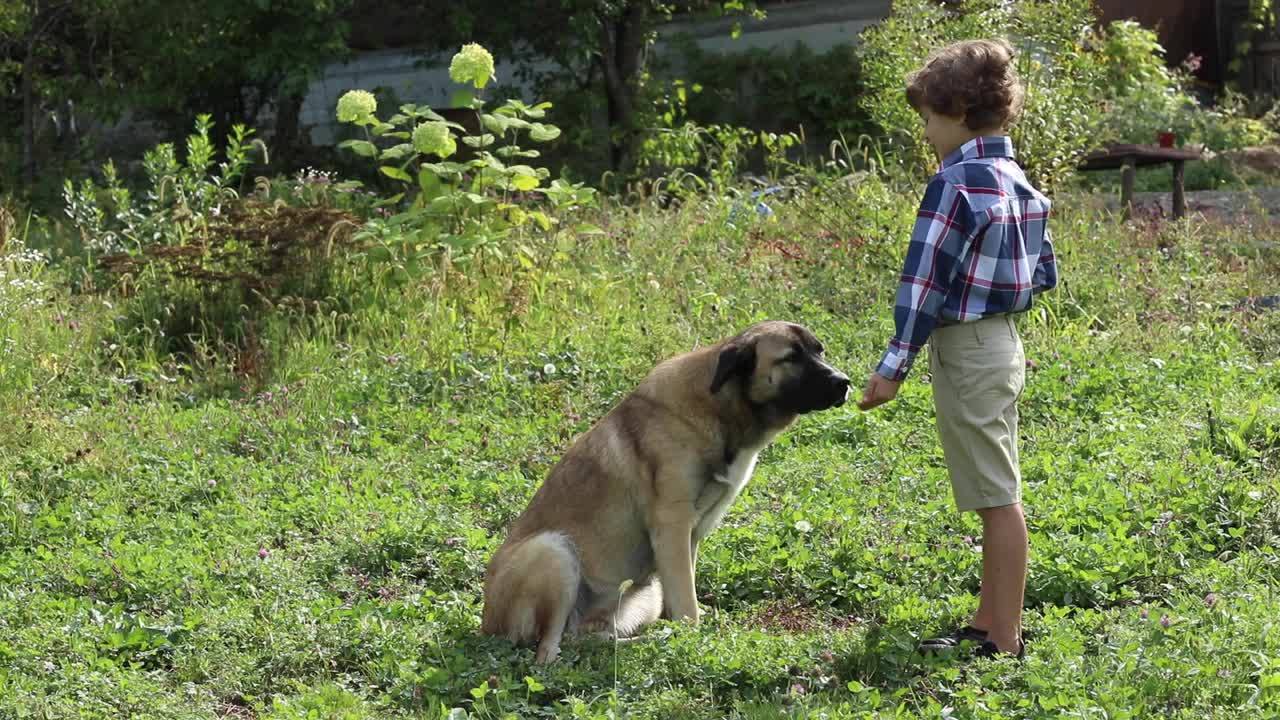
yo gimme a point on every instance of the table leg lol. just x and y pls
(1127, 174)
(1179, 198)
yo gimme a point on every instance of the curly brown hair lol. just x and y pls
(973, 79)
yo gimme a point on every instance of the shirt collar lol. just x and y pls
(980, 147)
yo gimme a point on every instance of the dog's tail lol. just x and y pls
(530, 592)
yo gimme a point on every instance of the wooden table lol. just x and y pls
(1129, 157)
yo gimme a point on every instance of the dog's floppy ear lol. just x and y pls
(734, 360)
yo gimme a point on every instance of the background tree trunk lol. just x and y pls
(29, 117)
(285, 142)
(622, 47)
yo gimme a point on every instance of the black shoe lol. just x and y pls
(988, 649)
(966, 634)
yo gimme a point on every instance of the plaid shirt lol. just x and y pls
(980, 247)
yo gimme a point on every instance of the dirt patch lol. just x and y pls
(793, 616)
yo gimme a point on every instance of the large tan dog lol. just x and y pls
(633, 496)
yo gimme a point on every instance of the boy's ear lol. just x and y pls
(734, 360)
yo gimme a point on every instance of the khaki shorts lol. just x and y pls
(978, 371)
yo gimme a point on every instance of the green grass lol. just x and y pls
(180, 542)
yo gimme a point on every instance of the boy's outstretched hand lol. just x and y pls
(879, 390)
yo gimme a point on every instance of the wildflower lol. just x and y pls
(1210, 600)
(1143, 613)
(356, 106)
(549, 369)
(263, 553)
(212, 483)
(798, 689)
(473, 64)
(803, 526)
(1165, 622)
(434, 137)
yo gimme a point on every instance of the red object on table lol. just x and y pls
(1166, 139)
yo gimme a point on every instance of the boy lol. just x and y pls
(979, 252)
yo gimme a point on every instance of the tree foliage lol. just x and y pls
(165, 59)
(1056, 57)
(593, 45)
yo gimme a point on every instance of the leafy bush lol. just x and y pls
(201, 267)
(1059, 71)
(179, 201)
(696, 158)
(1143, 97)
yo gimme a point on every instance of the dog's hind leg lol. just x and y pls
(531, 593)
(641, 605)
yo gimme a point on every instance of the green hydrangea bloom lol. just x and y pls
(434, 137)
(473, 64)
(356, 105)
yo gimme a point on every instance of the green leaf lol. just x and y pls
(508, 151)
(378, 253)
(589, 229)
(524, 183)
(463, 99)
(495, 123)
(430, 183)
(541, 219)
(479, 141)
(396, 152)
(395, 173)
(363, 148)
(543, 133)
(390, 201)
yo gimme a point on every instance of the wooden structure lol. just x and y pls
(1129, 157)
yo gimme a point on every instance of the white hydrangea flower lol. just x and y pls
(434, 137)
(472, 64)
(356, 105)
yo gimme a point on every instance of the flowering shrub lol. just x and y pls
(1143, 97)
(461, 208)
(20, 270)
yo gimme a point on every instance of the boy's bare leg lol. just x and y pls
(1004, 575)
